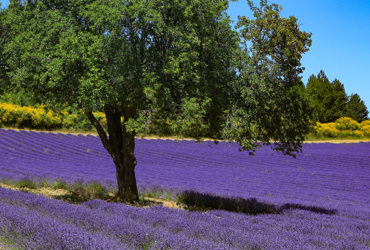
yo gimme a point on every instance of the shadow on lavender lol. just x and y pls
(200, 201)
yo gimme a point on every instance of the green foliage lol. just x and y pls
(43, 183)
(20, 97)
(356, 108)
(96, 190)
(91, 67)
(91, 190)
(192, 119)
(4, 69)
(60, 184)
(327, 99)
(268, 102)
(26, 183)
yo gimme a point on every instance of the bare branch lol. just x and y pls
(103, 136)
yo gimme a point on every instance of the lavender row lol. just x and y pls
(35, 222)
(335, 176)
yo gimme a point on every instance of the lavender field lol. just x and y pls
(329, 176)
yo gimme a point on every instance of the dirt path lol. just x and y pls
(47, 192)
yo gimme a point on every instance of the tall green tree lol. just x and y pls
(4, 79)
(268, 95)
(176, 59)
(328, 99)
(356, 108)
(338, 99)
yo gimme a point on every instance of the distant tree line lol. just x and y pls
(329, 101)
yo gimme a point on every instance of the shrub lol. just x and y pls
(365, 123)
(26, 183)
(326, 129)
(90, 190)
(12, 115)
(346, 123)
(342, 128)
(43, 183)
(357, 133)
(95, 190)
(77, 120)
(366, 130)
(20, 117)
(60, 184)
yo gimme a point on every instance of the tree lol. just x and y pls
(142, 60)
(4, 79)
(356, 108)
(268, 94)
(338, 99)
(328, 99)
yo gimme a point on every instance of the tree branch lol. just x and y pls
(103, 136)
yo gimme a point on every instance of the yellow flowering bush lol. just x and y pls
(365, 123)
(17, 116)
(342, 128)
(326, 129)
(41, 118)
(346, 123)
(358, 133)
(366, 130)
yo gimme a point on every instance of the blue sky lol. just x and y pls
(340, 38)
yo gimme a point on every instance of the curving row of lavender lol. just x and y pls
(326, 175)
(29, 221)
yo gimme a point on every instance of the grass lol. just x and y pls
(7, 243)
(158, 193)
(26, 183)
(75, 193)
(60, 184)
(188, 200)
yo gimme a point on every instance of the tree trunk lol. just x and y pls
(121, 146)
(125, 162)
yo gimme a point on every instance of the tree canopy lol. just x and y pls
(268, 101)
(356, 108)
(329, 100)
(149, 61)
(4, 79)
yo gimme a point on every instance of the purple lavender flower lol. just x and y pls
(322, 178)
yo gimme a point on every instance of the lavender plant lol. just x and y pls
(324, 178)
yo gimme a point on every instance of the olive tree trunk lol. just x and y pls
(121, 146)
